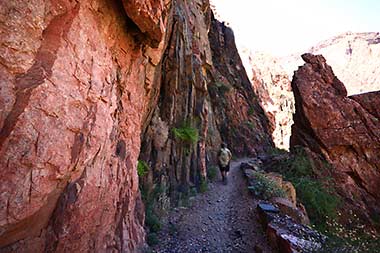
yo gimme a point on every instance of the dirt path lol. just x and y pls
(223, 219)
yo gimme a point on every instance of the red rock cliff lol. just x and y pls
(344, 129)
(77, 83)
(83, 84)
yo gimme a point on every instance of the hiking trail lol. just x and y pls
(223, 219)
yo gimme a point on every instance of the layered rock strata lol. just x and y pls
(344, 129)
(205, 88)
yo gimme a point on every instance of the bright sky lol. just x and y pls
(282, 27)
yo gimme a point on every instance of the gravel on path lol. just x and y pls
(224, 219)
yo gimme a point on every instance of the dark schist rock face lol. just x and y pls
(346, 130)
(239, 116)
(204, 85)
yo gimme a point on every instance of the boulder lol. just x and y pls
(285, 233)
(288, 187)
(288, 208)
(345, 130)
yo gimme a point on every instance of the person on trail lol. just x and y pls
(224, 158)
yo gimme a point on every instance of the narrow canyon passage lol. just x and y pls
(224, 219)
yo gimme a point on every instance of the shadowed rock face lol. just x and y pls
(344, 129)
(239, 116)
(203, 86)
(81, 83)
(77, 82)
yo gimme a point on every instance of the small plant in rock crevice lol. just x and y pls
(150, 199)
(142, 168)
(251, 111)
(186, 133)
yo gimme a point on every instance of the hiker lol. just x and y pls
(224, 158)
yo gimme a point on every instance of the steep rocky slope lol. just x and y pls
(344, 129)
(272, 86)
(82, 86)
(353, 56)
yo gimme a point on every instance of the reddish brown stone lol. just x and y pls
(345, 130)
(148, 16)
(76, 86)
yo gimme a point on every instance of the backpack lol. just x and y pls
(224, 157)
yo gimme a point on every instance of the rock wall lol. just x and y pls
(272, 86)
(204, 87)
(78, 80)
(182, 102)
(353, 56)
(83, 85)
(240, 119)
(344, 129)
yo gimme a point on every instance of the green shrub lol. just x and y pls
(251, 111)
(152, 221)
(186, 133)
(265, 188)
(317, 198)
(320, 199)
(212, 173)
(277, 151)
(152, 239)
(142, 168)
(203, 187)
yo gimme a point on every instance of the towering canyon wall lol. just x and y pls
(344, 129)
(239, 117)
(272, 86)
(83, 84)
(204, 86)
(353, 56)
(78, 80)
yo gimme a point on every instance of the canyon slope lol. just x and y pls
(84, 86)
(345, 130)
(354, 57)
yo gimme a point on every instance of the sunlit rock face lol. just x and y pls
(354, 57)
(345, 130)
(83, 84)
(78, 79)
(272, 86)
